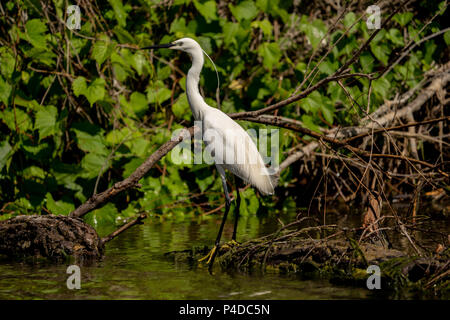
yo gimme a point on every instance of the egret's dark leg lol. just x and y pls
(237, 208)
(212, 254)
(227, 208)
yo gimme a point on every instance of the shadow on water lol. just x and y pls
(134, 267)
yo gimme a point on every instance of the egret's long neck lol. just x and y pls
(195, 99)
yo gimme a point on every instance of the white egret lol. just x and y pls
(233, 149)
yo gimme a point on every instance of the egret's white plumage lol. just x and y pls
(244, 160)
(230, 145)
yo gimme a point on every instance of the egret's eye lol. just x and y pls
(180, 43)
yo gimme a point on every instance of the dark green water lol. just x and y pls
(134, 267)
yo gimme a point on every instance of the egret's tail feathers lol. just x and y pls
(264, 181)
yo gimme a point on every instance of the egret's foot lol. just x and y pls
(209, 256)
(231, 244)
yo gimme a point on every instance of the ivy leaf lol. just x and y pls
(381, 87)
(119, 12)
(62, 207)
(7, 62)
(447, 37)
(245, 10)
(79, 86)
(42, 55)
(381, 52)
(158, 96)
(309, 123)
(271, 54)
(105, 216)
(315, 31)
(5, 91)
(328, 112)
(349, 20)
(92, 164)
(403, 18)
(229, 32)
(204, 182)
(36, 33)
(264, 25)
(102, 49)
(138, 103)
(16, 118)
(94, 92)
(139, 62)
(90, 143)
(181, 108)
(46, 121)
(313, 102)
(395, 36)
(6, 152)
(207, 10)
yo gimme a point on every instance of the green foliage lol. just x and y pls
(81, 107)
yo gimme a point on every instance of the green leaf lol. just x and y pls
(105, 216)
(79, 86)
(207, 10)
(44, 56)
(138, 102)
(94, 92)
(381, 87)
(366, 60)
(46, 121)
(5, 91)
(312, 103)
(178, 25)
(16, 118)
(309, 123)
(381, 52)
(403, 18)
(349, 20)
(158, 96)
(119, 12)
(245, 10)
(264, 25)
(61, 207)
(139, 62)
(271, 54)
(102, 49)
(328, 112)
(6, 153)
(315, 31)
(395, 36)
(36, 33)
(91, 143)
(230, 30)
(93, 164)
(447, 37)
(181, 108)
(7, 62)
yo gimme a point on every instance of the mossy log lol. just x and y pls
(340, 261)
(49, 236)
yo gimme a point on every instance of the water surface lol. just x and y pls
(134, 267)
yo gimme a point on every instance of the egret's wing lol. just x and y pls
(234, 149)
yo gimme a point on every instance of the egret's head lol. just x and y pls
(185, 44)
